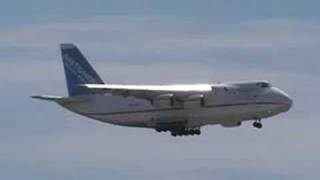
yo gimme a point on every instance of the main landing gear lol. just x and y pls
(185, 132)
(182, 131)
(257, 124)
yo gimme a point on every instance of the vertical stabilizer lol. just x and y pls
(77, 70)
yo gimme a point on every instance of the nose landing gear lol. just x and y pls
(257, 124)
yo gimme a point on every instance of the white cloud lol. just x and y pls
(145, 34)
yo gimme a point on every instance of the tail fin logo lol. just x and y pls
(78, 71)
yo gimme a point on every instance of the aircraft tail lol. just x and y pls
(77, 70)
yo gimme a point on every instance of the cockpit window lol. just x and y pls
(264, 85)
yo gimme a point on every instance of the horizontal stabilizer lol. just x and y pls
(48, 98)
(59, 99)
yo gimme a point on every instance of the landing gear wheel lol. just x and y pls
(185, 132)
(257, 124)
(197, 132)
(192, 132)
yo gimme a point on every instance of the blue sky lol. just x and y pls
(171, 42)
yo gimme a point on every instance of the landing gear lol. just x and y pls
(161, 130)
(185, 132)
(257, 124)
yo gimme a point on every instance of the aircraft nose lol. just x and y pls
(286, 100)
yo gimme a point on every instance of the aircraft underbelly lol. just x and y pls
(194, 117)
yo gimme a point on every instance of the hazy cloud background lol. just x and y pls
(139, 42)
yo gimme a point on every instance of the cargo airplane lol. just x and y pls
(179, 109)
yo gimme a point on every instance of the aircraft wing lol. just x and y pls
(153, 92)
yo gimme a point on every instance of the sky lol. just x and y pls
(165, 42)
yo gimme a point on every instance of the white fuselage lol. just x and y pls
(226, 104)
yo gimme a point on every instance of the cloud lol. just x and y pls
(123, 41)
(145, 34)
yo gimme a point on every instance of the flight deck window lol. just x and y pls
(264, 85)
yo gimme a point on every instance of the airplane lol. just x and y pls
(181, 109)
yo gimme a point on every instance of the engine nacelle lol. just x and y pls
(163, 101)
(197, 100)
